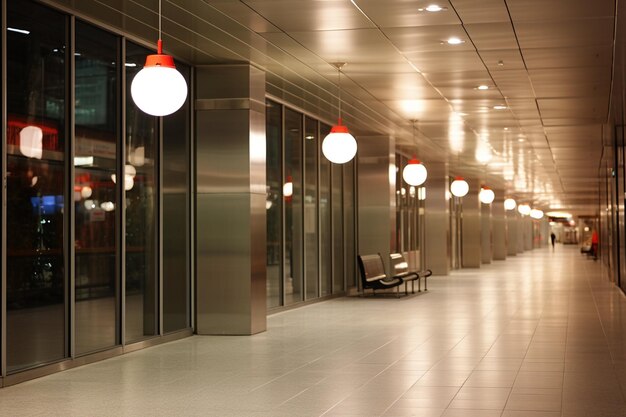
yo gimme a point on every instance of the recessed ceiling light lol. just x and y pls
(455, 41)
(482, 87)
(499, 107)
(434, 8)
(309, 137)
(520, 140)
(506, 128)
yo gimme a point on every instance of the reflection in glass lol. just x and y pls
(176, 254)
(36, 100)
(310, 207)
(325, 229)
(273, 203)
(94, 192)
(293, 208)
(337, 201)
(141, 210)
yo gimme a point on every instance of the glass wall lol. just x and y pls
(176, 215)
(85, 184)
(292, 196)
(274, 203)
(310, 208)
(314, 227)
(95, 195)
(37, 60)
(140, 184)
(326, 248)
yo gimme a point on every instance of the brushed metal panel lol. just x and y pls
(225, 259)
(499, 227)
(486, 237)
(471, 228)
(223, 151)
(376, 208)
(437, 220)
(511, 232)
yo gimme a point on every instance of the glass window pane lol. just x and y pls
(325, 230)
(292, 195)
(338, 272)
(141, 210)
(36, 138)
(94, 191)
(176, 255)
(273, 204)
(310, 207)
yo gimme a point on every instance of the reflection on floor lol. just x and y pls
(540, 335)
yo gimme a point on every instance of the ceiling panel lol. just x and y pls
(428, 38)
(487, 36)
(405, 86)
(461, 61)
(589, 32)
(351, 46)
(483, 11)
(310, 15)
(589, 56)
(542, 10)
(401, 13)
(502, 59)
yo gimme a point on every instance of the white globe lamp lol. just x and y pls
(509, 204)
(536, 214)
(288, 188)
(159, 89)
(459, 187)
(524, 209)
(414, 173)
(486, 195)
(339, 146)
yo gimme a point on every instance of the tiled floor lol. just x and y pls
(540, 335)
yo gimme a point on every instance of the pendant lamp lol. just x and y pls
(509, 204)
(486, 195)
(536, 214)
(339, 146)
(159, 89)
(524, 209)
(459, 187)
(414, 173)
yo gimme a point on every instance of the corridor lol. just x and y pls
(542, 334)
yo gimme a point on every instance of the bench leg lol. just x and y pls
(425, 283)
(413, 287)
(397, 291)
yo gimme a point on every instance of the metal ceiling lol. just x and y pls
(548, 63)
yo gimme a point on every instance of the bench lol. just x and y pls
(408, 273)
(373, 276)
(401, 270)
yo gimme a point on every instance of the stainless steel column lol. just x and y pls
(511, 232)
(437, 220)
(486, 236)
(230, 186)
(471, 227)
(498, 226)
(528, 232)
(377, 196)
(520, 233)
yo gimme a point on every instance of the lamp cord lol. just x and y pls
(339, 85)
(159, 19)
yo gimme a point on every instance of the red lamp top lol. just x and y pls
(160, 59)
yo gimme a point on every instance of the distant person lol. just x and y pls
(594, 244)
(552, 239)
